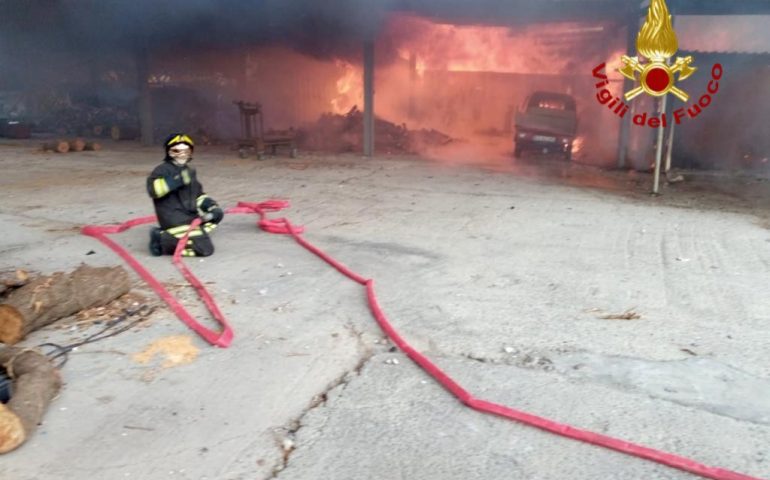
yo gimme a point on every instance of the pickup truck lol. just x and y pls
(546, 123)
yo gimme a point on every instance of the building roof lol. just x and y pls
(508, 12)
(720, 7)
(734, 54)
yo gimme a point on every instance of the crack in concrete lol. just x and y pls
(526, 360)
(285, 436)
(509, 356)
(699, 382)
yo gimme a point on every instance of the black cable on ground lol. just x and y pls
(110, 330)
(62, 351)
(5, 386)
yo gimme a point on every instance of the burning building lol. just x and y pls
(378, 75)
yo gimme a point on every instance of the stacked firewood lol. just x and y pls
(75, 145)
(28, 379)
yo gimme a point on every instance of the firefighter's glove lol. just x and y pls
(207, 204)
(179, 180)
(214, 215)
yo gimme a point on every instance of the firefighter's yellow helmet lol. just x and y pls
(177, 138)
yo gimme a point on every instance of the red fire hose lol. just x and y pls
(224, 337)
(221, 338)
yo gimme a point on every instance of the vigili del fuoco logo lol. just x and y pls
(657, 43)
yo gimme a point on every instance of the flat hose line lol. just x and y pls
(223, 338)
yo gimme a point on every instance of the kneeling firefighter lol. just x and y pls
(179, 199)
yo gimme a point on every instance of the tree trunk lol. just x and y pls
(60, 295)
(59, 146)
(12, 280)
(35, 383)
(77, 145)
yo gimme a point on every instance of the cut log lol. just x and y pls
(59, 146)
(11, 430)
(13, 280)
(35, 384)
(92, 147)
(50, 298)
(77, 145)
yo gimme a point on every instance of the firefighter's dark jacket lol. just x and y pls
(176, 193)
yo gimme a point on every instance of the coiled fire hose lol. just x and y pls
(224, 337)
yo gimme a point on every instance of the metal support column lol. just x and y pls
(145, 103)
(659, 146)
(670, 147)
(670, 112)
(369, 98)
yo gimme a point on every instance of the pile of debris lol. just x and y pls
(344, 133)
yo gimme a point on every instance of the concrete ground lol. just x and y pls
(504, 274)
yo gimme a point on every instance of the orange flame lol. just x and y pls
(657, 39)
(349, 88)
(543, 49)
(420, 65)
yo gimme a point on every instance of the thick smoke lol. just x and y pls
(43, 31)
(52, 42)
(322, 28)
(121, 25)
